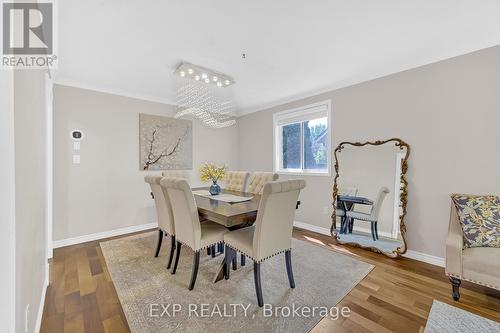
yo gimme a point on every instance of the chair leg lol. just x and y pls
(194, 273)
(177, 255)
(172, 250)
(208, 250)
(351, 225)
(227, 262)
(235, 260)
(456, 288)
(158, 245)
(373, 231)
(243, 257)
(212, 251)
(258, 284)
(222, 248)
(376, 230)
(288, 262)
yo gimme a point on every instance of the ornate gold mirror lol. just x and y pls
(370, 195)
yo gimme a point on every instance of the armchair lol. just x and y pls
(479, 265)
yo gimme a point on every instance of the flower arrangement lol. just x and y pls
(210, 171)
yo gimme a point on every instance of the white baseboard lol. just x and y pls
(101, 235)
(310, 227)
(427, 258)
(430, 259)
(38, 323)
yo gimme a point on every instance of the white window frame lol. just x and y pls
(302, 111)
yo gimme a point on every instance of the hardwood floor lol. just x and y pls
(396, 296)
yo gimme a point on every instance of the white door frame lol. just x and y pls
(49, 161)
(7, 203)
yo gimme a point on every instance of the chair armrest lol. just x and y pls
(454, 245)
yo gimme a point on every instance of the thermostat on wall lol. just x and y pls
(77, 135)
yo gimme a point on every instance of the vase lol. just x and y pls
(214, 189)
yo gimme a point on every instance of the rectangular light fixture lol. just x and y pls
(202, 74)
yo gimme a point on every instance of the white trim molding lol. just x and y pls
(430, 259)
(427, 258)
(38, 323)
(103, 234)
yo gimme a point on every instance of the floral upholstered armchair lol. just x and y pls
(473, 243)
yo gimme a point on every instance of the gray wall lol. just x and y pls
(107, 190)
(448, 112)
(30, 197)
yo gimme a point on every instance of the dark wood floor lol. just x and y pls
(396, 296)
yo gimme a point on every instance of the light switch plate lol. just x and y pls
(76, 159)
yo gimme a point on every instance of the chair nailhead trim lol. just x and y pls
(257, 260)
(473, 281)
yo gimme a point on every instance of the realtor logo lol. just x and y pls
(28, 35)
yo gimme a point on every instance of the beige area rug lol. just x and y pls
(156, 301)
(445, 318)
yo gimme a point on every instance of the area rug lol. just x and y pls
(156, 301)
(445, 318)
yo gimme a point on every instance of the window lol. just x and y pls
(302, 140)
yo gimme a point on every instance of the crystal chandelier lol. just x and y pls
(204, 94)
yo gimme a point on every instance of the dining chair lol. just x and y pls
(339, 210)
(185, 174)
(259, 179)
(189, 231)
(272, 232)
(236, 181)
(374, 213)
(164, 214)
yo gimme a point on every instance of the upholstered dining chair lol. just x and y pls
(236, 181)
(259, 179)
(164, 214)
(272, 232)
(339, 211)
(189, 231)
(185, 174)
(374, 213)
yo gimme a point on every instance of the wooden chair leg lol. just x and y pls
(177, 255)
(172, 250)
(158, 245)
(243, 257)
(288, 262)
(456, 288)
(227, 262)
(212, 251)
(194, 273)
(258, 284)
(235, 260)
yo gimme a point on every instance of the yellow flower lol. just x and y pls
(210, 171)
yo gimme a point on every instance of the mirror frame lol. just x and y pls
(403, 197)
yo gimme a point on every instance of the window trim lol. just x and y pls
(277, 140)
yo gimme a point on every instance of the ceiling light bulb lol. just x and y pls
(190, 70)
(219, 84)
(182, 73)
(197, 77)
(204, 75)
(207, 80)
(227, 82)
(215, 78)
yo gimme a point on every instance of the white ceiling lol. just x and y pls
(294, 48)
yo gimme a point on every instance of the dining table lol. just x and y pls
(231, 215)
(347, 202)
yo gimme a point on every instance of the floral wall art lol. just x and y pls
(165, 143)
